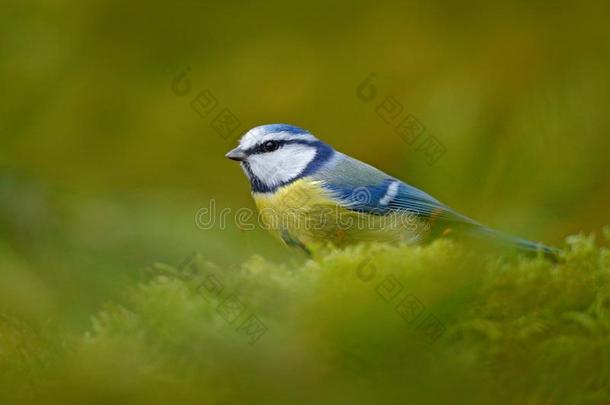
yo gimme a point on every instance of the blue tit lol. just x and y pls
(308, 193)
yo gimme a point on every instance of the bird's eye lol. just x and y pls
(270, 146)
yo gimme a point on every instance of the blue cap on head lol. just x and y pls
(271, 128)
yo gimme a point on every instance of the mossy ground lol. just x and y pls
(374, 323)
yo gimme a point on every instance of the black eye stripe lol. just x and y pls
(270, 146)
(265, 147)
(258, 148)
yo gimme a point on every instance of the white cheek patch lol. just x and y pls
(282, 165)
(243, 167)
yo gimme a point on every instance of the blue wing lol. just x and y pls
(361, 187)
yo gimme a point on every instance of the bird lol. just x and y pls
(308, 194)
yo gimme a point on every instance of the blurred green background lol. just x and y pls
(103, 166)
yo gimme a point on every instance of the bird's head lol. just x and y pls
(278, 154)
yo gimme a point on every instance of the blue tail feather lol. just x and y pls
(514, 242)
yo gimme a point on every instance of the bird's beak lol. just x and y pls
(236, 154)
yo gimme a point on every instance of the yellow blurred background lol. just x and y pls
(104, 161)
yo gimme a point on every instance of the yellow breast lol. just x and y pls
(305, 213)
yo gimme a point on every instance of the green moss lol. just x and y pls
(369, 323)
